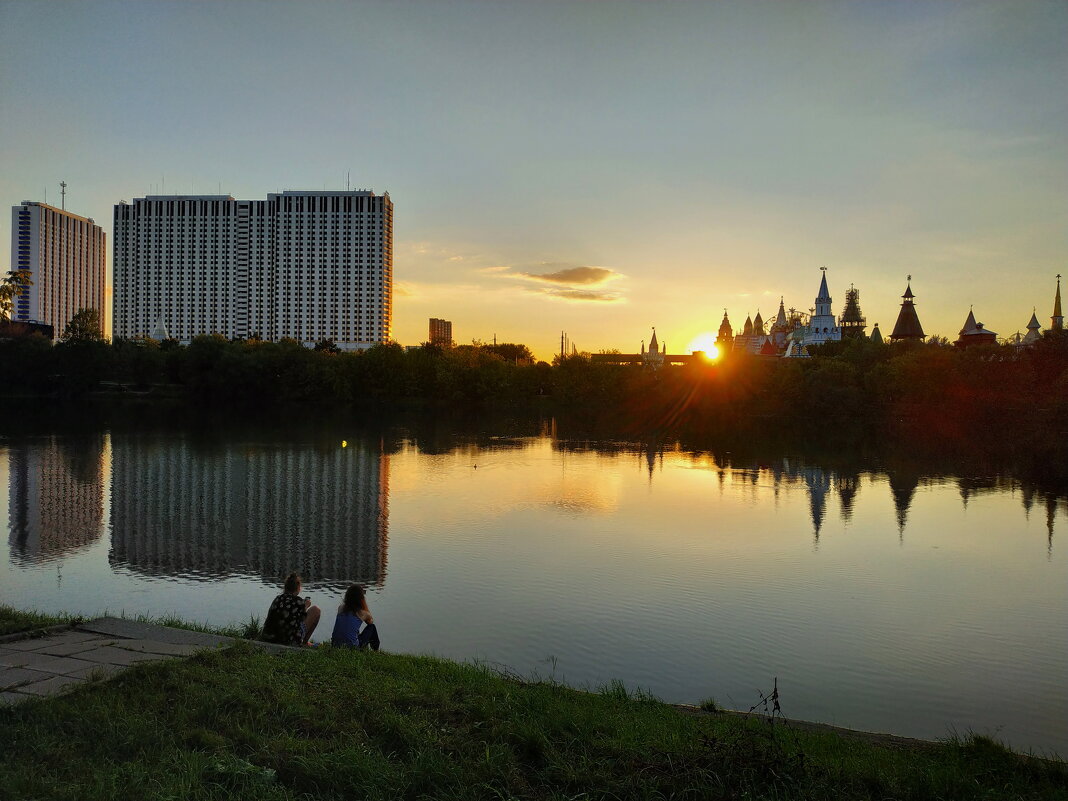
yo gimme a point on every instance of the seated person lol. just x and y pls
(352, 616)
(291, 619)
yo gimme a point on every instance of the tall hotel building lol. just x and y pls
(66, 257)
(300, 265)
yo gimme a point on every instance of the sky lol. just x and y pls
(598, 168)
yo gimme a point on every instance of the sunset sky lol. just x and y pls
(592, 167)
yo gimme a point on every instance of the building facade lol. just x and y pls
(440, 332)
(66, 257)
(308, 266)
(822, 326)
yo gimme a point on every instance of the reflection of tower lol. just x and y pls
(903, 486)
(1051, 512)
(266, 510)
(819, 484)
(56, 496)
(847, 485)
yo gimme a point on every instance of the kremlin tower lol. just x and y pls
(908, 324)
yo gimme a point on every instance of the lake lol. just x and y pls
(882, 595)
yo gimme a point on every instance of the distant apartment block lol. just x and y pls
(307, 266)
(440, 332)
(66, 257)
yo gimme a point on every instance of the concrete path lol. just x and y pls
(64, 657)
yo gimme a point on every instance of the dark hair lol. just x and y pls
(293, 582)
(355, 600)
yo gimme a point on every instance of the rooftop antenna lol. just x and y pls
(63, 195)
(347, 175)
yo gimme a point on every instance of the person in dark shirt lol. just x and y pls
(291, 619)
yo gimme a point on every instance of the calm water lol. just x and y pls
(893, 601)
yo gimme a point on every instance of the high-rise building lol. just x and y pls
(440, 332)
(66, 257)
(300, 265)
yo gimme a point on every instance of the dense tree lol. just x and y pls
(84, 326)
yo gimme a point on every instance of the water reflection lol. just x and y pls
(903, 478)
(864, 577)
(205, 512)
(56, 496)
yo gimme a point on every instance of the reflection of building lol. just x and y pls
(56, 496)
(441, 332)
(260, 509)
(65, 255)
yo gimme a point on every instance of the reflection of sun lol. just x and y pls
(705, 342)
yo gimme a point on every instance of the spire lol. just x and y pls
(1033, 324)
(725, 326)
(653, 347)
(908, 323)
(758, 325)
(780, 319)
(969, 324)
(747, 329)
(852, 322)
(877, 335)
(1057, 321)
(824, 293)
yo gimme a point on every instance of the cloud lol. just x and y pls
(577, 275)
(581, 295)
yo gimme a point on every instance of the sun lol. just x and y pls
(706, 343)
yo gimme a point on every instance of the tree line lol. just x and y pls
(984, 390)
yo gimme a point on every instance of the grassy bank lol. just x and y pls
(13, 621)
(334, 723)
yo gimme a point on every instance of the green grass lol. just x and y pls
(337, 723)
(13, 621)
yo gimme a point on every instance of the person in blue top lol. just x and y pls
(354, 625)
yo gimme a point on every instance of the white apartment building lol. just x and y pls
(300, 265)
(66, 257)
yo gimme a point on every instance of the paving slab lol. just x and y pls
(63, 665)
(24, 658)
(71, 648)
(158, 648)
(7, 699)
(50, 686)
(13, 677)
(31, 644)
(111, 655)
(135, 630)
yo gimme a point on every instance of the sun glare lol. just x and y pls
(706, 343)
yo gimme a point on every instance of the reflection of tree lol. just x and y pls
(56, 496)
(265, 509)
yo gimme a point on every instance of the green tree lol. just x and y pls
(84, 326)
(10, 288)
